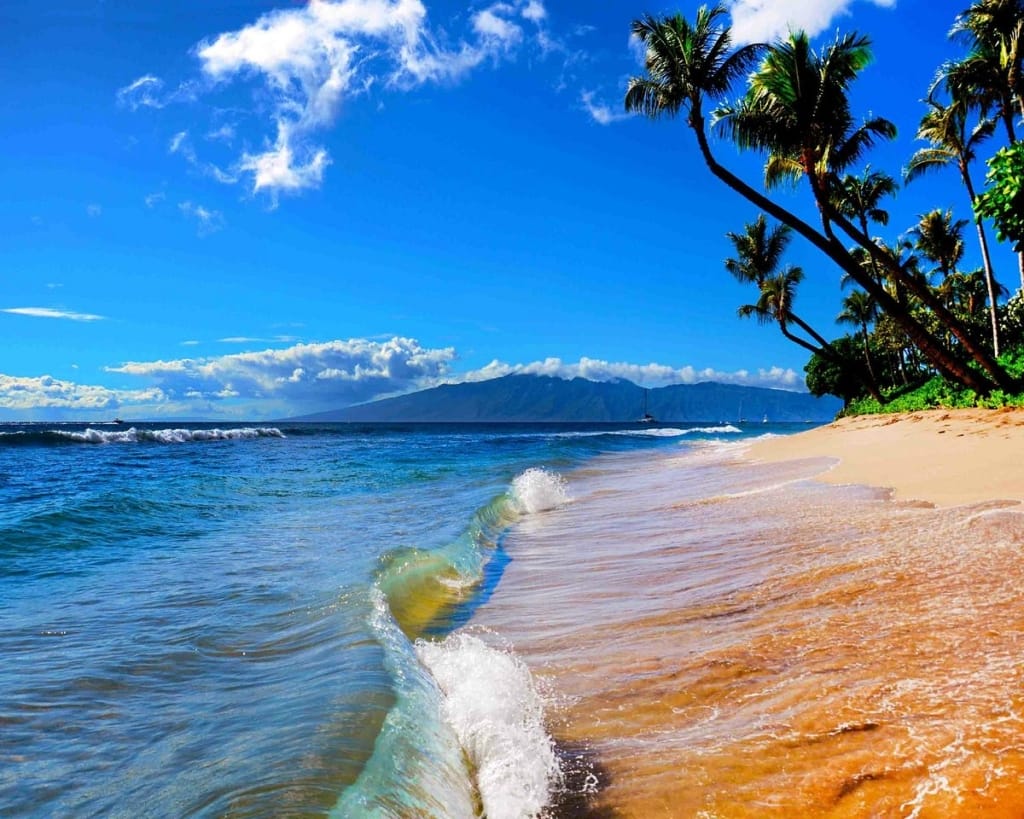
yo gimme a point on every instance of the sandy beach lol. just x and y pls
(821, 625)
(945, 457)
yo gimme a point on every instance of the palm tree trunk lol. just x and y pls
(867, 352)
(986, 260)
(941, 358)
(803, 325)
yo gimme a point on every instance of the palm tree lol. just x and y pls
(945, 127)
(688, 64)
(991, 76)
(777, 292)
(758, 250)
(860, 197)
(859, 310)
(939, 239)
(797, 110)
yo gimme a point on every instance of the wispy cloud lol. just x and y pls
(94, 210)
(207, 221)
(153, 199)
(51, 313)
(181, 145)
(280, 339)
(145, 92)
(761, 20)
(600, 112)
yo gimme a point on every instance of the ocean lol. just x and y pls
(492, 620)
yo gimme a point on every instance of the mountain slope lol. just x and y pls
(545, 398)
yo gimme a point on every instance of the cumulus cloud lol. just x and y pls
(46, 392)
(761, 20)
(307, 378)
(322, 375)
(51, 312)
(647, 375)
(207, 221)
(305, 62)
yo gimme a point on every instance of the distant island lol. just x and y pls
(524, 398)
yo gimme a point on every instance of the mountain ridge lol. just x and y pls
(545, 398)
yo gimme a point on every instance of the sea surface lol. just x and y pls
(274, 620)
(506, 621)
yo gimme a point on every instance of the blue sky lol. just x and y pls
(227, 209)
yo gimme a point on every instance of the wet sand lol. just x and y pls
(726, 635)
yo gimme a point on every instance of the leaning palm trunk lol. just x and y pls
(928, 297)
(827, 351)
(940, 357)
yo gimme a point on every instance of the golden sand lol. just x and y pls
(735, 639)
(947, 457)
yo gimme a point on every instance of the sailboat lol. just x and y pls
(646, 418)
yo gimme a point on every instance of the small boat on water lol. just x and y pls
(117, 421)
(646, 417)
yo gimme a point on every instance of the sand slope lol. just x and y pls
(946, 457)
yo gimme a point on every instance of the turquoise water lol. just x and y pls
(258, 621)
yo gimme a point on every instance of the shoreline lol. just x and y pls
(940, 457)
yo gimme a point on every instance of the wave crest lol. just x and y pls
(538, 490)
(491, 702)
(165, 436)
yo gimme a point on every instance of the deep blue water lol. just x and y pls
(211, 621)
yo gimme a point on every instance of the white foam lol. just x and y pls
(538, 490)
(493, 705)
(168, 436)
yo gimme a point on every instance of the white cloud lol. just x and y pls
(51, 312)
(207, 221)
(190, 343)
(46, 392)
(534, 11)
(762, 20)
(226, 133)
(303, 376)
(94, 210)
(144, 92)
(648, 375)
(307, 61)
(181, 145)
(153, 199)
(599, 111)
(493, 23)
(148, 92)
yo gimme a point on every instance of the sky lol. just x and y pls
(255, 209)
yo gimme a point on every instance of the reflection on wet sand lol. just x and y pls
(731, 639)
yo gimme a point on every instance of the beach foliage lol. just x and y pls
(1003, 202)
(922, 319)
(796, 112)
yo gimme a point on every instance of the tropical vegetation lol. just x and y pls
(918, 319)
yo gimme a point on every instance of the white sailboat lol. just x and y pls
(646, 418)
